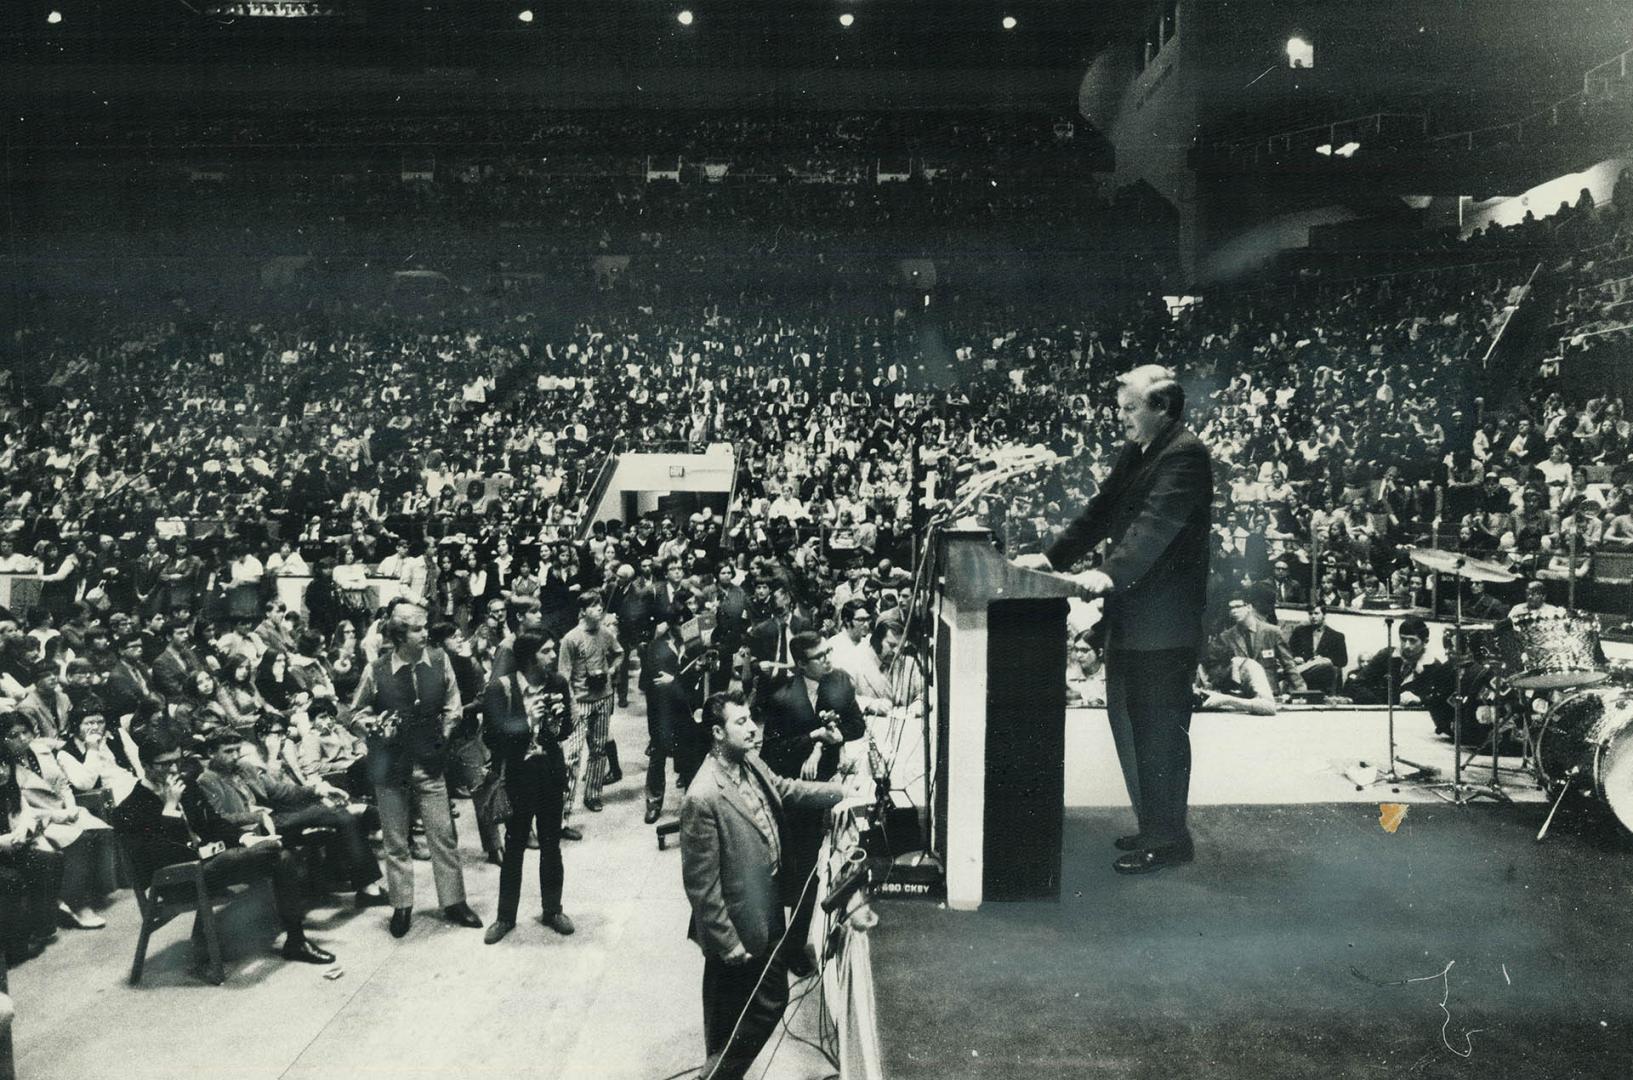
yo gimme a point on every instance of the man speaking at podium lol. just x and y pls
(1154, 509)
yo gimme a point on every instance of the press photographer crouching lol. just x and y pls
(165, 820)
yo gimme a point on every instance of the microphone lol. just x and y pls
(854, 877)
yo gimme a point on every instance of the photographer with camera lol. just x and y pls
(526, 714)
(407, 706)
(590, 654)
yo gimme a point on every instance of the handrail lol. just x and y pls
(1584, 96)
(1595, 333)
(731, 495)
(1621, 60)
(1330, 126)
(598, 490)
(1508, 317)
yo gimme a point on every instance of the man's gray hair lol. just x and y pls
(1158, 386)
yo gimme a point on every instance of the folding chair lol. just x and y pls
(158, 909)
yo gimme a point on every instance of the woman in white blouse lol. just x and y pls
(97, 759)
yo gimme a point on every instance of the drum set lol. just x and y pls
(1543, 678)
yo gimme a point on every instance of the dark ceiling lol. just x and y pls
(1457, 60)
(911, 33)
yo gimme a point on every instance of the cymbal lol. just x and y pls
(1450, 562)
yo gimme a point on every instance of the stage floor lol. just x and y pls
(1284, 949)
(1304, 941)
(1296, 756)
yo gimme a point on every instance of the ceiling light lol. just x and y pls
(526, 15)
(54, 18)
(685, 17)
(1009, 22)
(1348, 149)
(846, 19)
(1325, 149)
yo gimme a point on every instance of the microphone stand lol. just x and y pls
(1457, 792)
(1393, 775)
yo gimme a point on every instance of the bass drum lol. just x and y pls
(1588, 737)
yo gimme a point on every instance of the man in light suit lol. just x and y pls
(1250, 638)
(1155, 511)
(731, 844)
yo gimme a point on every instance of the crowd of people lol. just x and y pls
(284, 576)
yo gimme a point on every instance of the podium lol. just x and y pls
(1000, 723)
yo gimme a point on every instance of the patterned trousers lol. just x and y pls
(591, 720)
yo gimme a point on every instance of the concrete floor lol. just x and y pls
(618, 999)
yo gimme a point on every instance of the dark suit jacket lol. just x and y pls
(1289, 591)
(122, 693)
(152, 839)
(634, 605)
(1333, 646)
(668, 706)
(173, 672)
(789, 718)
(764, 638)
(726, 859)
(1370, 686)
(1155, 508)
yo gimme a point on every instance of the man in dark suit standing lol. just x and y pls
(1322, 652)
(731, 848)
(807, 718)
(769, 640)
(1154, 509)
(670, 680)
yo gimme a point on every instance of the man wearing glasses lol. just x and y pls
(806, 721)
(158, 831)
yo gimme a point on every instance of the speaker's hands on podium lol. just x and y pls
(1089, 584)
